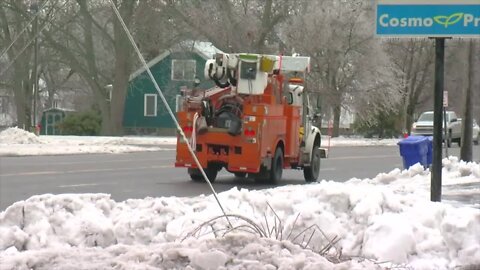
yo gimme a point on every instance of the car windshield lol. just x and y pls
(428, 117)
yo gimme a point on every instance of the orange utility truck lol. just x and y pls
(256, 122)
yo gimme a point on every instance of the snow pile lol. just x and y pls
(387, 218)
(357, 141)
(18, 136)
(18, 142)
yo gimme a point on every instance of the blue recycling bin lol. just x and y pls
(414, 149)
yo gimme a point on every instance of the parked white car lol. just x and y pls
(476, 132)
(424, 126)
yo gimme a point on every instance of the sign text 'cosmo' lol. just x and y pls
(428, 20)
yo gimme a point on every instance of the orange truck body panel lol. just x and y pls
(267, 121)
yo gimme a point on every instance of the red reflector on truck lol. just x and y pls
(187, 129)
(249, 132)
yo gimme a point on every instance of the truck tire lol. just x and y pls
(265, 176)
(310, 173)
(277, 166)
(196, 174)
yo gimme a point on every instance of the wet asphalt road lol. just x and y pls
(139, 175)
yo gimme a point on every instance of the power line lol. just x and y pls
(23, 30)
(139, 54)
(22, 50)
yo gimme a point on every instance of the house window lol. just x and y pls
(150, 105)
(108, 92)
(183, 70)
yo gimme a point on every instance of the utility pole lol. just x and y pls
(466, 153)
(34, 9)
(436, 176)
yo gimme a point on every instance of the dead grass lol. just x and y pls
(273, 230)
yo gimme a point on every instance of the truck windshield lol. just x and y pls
(427, 117)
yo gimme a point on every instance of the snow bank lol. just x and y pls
(18, 142)
(18, 136)
(387, 218)
(357, 141)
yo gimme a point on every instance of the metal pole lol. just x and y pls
(35, 75)
(436, 180)
(34, 8)
(447, 136)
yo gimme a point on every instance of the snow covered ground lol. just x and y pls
(17, 142)
(380, 223)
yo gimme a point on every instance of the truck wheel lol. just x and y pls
(196, 174)
(277, 166)
(310, 173)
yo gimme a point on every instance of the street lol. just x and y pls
(151, 174)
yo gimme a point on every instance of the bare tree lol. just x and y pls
(15, 31)
(233, 25)
(467, 122)
(85, 33)
(413, 60)
(349, 66)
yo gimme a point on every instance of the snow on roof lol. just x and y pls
(59, 109)
(204, 48)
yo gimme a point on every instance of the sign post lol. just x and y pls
(436, 175)
(445, 133)
(439, 19)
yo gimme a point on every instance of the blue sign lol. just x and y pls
(428, 20)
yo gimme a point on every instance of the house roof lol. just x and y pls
(203, 48)
(52, 109)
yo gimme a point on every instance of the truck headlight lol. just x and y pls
(414, 125)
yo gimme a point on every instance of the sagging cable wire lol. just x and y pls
(22, 50)
(160, 93)
(23, 30)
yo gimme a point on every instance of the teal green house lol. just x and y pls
(173, 70)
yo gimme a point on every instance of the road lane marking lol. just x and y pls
(78, 185)
(85, 171)
(96, 161)
(29, 173)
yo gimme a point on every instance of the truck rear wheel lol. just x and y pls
(265, 176)
(277, 166)
(196, 174)
(310, 173)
